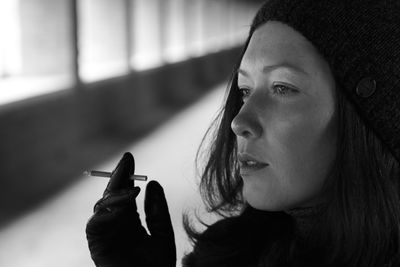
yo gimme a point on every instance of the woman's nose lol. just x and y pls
(246, 124)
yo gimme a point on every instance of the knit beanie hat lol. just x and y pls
(360, 39)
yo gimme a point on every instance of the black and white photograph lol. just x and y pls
(199, 133)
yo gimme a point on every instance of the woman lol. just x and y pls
(304, 165)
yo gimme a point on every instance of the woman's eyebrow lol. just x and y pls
(285, 65)
(270, 68)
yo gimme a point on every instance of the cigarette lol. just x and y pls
(108, 175)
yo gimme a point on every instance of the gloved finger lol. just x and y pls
(124, 198)
(120, 176)
(103, 222)
(117, 223)
(116, 213)
(157, 214)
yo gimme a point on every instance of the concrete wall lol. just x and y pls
(47, 141)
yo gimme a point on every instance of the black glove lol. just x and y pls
(115, 234)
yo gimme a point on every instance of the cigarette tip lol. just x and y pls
(87, 173)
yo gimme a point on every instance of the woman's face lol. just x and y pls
(286, 128)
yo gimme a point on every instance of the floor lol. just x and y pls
(54, 233)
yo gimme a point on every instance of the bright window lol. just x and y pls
(174, 30)
(215, 21)
(35, 42)
(37, 53)
(194, 30)
(146, 34)
(103, 39)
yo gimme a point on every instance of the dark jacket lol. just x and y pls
(259, 239)
(239, 241)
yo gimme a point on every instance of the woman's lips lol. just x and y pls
(249, 163)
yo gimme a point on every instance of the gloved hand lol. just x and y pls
(115, 234)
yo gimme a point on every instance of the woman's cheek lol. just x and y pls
(294, 160)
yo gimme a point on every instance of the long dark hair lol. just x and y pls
(361, 220)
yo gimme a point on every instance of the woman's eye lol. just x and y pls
(282, 89)
(244, 92)
(279, 89)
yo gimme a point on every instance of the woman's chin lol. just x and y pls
(267, 201)
(259, 202)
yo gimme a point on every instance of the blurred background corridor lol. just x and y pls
(82, 82)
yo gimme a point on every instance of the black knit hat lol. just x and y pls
(360, 39)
